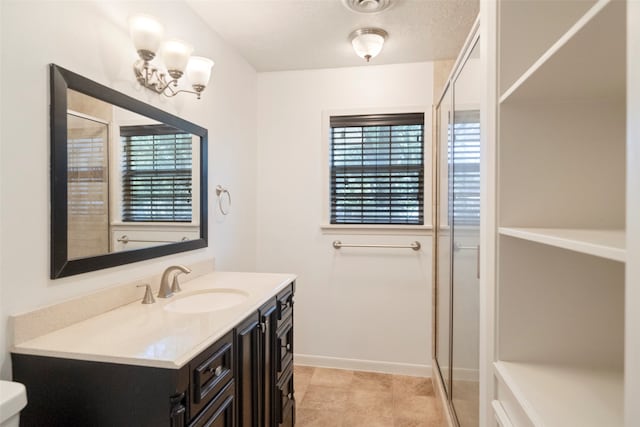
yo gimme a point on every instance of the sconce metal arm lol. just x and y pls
(151, 78)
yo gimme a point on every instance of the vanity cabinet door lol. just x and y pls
(257, 366)
(248, 372)
(268, 357)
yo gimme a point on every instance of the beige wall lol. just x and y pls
(441, 71)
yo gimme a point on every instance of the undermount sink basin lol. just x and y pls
(207, 300)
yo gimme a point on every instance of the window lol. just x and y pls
(466, 168)
(377, 169)
(156, 174)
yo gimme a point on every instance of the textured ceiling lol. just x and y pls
(276, 35)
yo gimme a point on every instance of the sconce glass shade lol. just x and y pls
(175, 55)
(199, 71)
(146, 34)
(368, 42)
(162, 76)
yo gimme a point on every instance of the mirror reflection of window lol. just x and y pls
(88, 186)
(156, 174)
(87, 229)
(466, 129)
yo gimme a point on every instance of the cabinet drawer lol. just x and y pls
(211, 372)
(284, 345)
(285, 305)
(285, 400)
(220, 411)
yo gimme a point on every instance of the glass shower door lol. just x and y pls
(444, 117)
(464, 186)
(87, 186)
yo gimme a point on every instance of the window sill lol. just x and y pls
(376, 229)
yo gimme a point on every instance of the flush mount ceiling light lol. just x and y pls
(147, 34)
(368, 42)
(367, 6)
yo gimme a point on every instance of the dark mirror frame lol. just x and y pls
(61, 266)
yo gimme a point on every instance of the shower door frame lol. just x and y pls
(445, 393)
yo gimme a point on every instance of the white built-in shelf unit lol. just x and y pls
(560, 304)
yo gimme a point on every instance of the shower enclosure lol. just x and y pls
(456, 355)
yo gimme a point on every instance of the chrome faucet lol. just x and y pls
(165, 289)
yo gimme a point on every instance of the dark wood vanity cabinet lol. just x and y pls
(249, 394)
(245, 379)
(66, 392)
(264, 358)
(285, 402)
(283, 398)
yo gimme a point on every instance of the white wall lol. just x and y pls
(2, 292)
(91, 39)
(359, 308)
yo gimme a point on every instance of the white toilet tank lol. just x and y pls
(13, 397)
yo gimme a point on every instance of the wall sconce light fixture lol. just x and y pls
(368, 42)
(147, 34)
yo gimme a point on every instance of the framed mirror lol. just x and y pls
(128, 180)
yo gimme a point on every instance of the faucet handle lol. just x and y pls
(175, 285)
(148, 295)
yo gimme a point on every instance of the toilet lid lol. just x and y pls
(13, 397)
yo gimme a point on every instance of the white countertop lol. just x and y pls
(147, 335)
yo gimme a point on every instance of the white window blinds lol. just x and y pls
(377, 169)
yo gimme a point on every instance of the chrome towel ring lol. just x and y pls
(221, 191)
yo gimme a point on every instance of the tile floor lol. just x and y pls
(340, 398)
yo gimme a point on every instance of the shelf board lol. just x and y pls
(608, 244)
(582, 64)
(560, 396)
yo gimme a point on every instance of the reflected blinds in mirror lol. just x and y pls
(156, 174)
(377, 169)
(466, 168)
(88, 187)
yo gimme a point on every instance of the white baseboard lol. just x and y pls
(464, 374)
(363, 365)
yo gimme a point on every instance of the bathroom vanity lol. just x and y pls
(170, 363)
